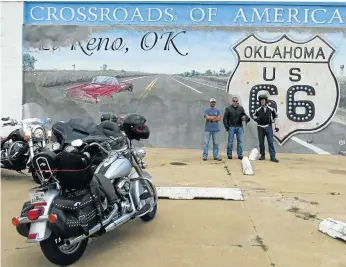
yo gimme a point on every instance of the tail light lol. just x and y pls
(34, 214)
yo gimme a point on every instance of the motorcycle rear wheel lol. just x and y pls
(62, 256)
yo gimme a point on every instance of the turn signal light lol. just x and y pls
(52, 218)
(35, 213)
(15, 221)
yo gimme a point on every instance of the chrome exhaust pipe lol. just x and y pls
(119, 222)
(95, 229)
(122, 219)
(110, 227)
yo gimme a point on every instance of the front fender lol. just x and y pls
(137, 187)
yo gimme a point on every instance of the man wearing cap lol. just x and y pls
(212, 117)
(265, 116)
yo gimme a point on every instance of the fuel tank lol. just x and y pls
(119, 168)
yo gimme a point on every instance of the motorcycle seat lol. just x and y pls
(109, 128)
(82, 125)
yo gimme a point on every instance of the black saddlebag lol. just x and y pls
(78, 211)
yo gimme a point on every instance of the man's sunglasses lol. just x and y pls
(235, 101)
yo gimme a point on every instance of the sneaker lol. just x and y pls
(217, 159)
(229, 157)
(262, 157)
(241, 157)
(274, 160)
(204, 159)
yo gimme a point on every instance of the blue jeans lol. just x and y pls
(266, 132)
(207, 136)
(238, 131)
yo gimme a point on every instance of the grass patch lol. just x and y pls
(306, 201)
(293, 209)
(260, 242)
(305, 215)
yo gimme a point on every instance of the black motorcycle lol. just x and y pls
(20, 146)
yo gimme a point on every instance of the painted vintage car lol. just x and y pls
(100, 87)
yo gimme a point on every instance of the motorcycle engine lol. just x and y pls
(123, 186)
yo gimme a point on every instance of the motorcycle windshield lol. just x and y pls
(35, 111)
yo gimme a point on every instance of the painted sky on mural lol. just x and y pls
(207, 50)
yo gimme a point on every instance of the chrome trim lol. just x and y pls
(22, 220)
(31, 148)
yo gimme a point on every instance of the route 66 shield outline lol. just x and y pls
(302, 88)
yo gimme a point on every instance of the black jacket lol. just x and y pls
(266, 117)
(233, 117)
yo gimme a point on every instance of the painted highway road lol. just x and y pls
(174, 108)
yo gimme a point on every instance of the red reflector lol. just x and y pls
(15, 221)
(39, 204)
(52, 218)
(32, 236)
(35, 213)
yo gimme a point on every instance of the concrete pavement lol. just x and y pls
(276, 225)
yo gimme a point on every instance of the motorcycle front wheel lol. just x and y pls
(62, 255)
(150, 215)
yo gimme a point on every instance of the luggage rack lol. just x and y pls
(42, 161)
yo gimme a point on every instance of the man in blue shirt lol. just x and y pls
(212, 116)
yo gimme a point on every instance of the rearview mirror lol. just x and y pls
(5, 119)
(77, 143)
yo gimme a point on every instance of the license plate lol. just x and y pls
(37, 197)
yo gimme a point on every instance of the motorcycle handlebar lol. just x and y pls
(101, 147)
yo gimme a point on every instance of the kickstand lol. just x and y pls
(22, 173)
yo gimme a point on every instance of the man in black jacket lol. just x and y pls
(265, 116)
(233, 122)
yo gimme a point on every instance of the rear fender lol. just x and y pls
(39, 230)
(137, 188)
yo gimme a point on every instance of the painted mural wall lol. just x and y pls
(165, 61)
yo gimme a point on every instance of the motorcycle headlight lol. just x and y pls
(38, 133)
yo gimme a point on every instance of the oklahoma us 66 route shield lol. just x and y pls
(297, 78)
